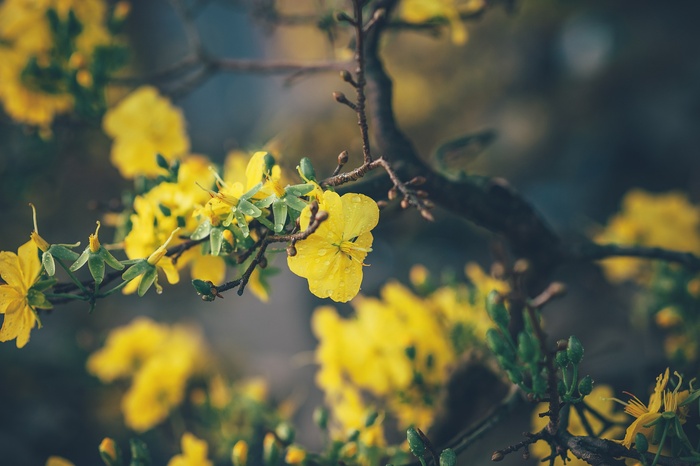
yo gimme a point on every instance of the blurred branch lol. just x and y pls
(590, 251)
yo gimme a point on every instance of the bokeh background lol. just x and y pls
(588, 100)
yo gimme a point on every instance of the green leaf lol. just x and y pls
(139, 268)
(307, 169)
(294, 203)
(147, 280)
(109, 259)
(279, 210)
(248, 208)
(97, 268)
(82, 259)
(201, 231)
(216, 238)
(48, 263)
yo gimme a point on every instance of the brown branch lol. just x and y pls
(589, 251)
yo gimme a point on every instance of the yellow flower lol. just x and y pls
(126, 349)
(19, 271)
(647, 414)
(58, 461)
(295, 455)
(599, 399)
(332, 257)
(421, 11)
(142, 125)
(239, 453)
(659, 220)
(147, 270)
(194, 452)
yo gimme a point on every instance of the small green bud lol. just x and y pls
(371, 418)
(354, 435)
(448, 457)
(585, 386)
(285, 432)
(162, 162)
(574, 350)
(410, 352)
(271, 450)
(415, 442)
(497, 310)
(320, 417)
(307, 170)
(140, 455)
(269, 162)
(641, 444)
(109, 452)
(562, 359)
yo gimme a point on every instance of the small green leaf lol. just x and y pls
(48, 263)
(252, 192)
(82, 259)
(97, 268)
(61, 251)
(279, 210)
(139, 268)
(216, 238)
(264, 203)
(307, 169)
(109, 259)
(294, 203)
(242, 224)
(248, 208)
(201, 231)
(147, 280)
(299, 190)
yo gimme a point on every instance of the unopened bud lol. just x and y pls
(585, 386)
(382, 204)
(239, 453)
(421, 193)
(291, 250)
(320, 417)
(263, 262)
(343, 158)
(271, 449)
(448, 457)
(342, 16)
(295, 455)
(417, 181)
(562, 345)
(108, 452)
(574, 350)
(371, 418)
(497, 310)
(393, 192)
(415, 442)
(339, 97)
(346, 76)
(497, 456)
(405, 203)
(521, 266)
(427, 215)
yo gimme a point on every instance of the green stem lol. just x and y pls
(66, 296)
(574, 378)
(112, 290)
(661, 444)
(73, 278)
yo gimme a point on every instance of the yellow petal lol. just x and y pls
(29, 262)
(58, 461)
(11, 300)
(342, 281)
(10, 270)
(171, 273)
(255, 169)
(638, 427)
(212, 268)
(361, 214)
(18, 325)
(313, 257)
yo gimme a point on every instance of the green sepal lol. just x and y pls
(285, 432)
(37, 300)
(216, 238)
(266, 223)
(269, 162)
(562, 359)
(526, 347)
(251, 192)
(585, 386)
(139, 268)
(140, 456)
(264, 203)
(48, 263)
(299, 190)
(162, 162)
(371, 418)
(61, 251)
(109, 259)
(82, 259)
(415, 442)
(692, 397)
(201, 231)
(294, 203)
(43, 285)
(202, 287)
(147, 280)
(248, 208)
(279, 211)
(641, 444)
(307, 169)
(97, 268)
(242, 224)
(165, 210)
(320, 417)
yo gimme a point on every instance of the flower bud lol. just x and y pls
(108, 452)
(561, 359)
(371, 418)
(415, 442)
(585, 386)
(285, 432)
(641, 444)
(239, 453)
(320, 417)
(497, 456)
(306, 169)
(574, 350)
(448, 457)
(497, 310)
(343, 158)
(271, 450)
(295, 455)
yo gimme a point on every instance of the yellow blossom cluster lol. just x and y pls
(194, 452)
(158, 359)
(397, 351)
(660, 220)
(143, 125)
(422, 11)
(45, 47)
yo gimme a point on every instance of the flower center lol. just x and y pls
(353, 251)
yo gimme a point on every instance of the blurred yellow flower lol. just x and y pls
(194, 452)
(600, 399)
(421, 11)
(659, 220)
(295, 455)
(143, 125)
(58, 461)
(332, 257)
(19, 271)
